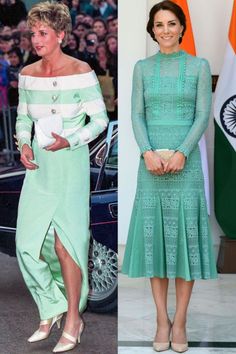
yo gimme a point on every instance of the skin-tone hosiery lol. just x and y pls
(72, 279)
(183, 294)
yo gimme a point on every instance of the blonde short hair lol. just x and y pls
(53, 14)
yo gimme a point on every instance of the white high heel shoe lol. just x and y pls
(64, 347)
(40, 335)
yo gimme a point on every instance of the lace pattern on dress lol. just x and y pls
(169, 229)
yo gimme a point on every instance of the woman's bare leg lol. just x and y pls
(183, 294)
(159, 292)
(72, 278)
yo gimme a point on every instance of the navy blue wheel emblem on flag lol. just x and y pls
(228, 116)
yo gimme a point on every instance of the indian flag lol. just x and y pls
(189, 46)
(188, 39)
(225, 137)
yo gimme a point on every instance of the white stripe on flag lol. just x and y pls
(226, 88)
(204, 161)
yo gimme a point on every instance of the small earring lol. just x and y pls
(180, 36)
(59, 41)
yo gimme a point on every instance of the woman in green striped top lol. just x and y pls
(55, 95)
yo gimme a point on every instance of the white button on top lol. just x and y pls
(54, 83)
(53, 111)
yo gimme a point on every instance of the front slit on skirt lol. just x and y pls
(61, 203)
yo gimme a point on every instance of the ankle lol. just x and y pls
(181, 324)
(179, 320)
(73, 315)
(165, 322)
(162, 334)
(73, 322)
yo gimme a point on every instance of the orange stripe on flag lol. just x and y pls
(188, 40)
(232, 28)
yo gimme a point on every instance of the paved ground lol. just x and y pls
(19, 318)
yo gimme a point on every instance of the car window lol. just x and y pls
(103, 164)
(109, 178)
(113, 155)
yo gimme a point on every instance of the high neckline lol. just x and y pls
(171, 55)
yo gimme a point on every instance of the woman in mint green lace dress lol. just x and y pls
(169, 234)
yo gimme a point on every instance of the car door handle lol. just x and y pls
(113, 209)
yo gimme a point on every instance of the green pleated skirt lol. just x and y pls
(169, 234)
(54, 197)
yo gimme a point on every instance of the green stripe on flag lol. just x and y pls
(225, 183)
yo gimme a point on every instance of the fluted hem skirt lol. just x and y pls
(55, 197)
(169, 234)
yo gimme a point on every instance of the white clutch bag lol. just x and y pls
(44, 128)
(165, 153)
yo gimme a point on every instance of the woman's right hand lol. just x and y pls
(154, 163)
(27, 156)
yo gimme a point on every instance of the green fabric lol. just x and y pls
(55, 196)
(84, 97)
(24, 123)
(169, 234)
(225, 177)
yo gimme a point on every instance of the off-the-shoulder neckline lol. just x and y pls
(56, 77)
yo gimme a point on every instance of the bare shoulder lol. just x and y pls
(80, 67)
(31, 70)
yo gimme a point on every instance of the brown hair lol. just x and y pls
(53, 14)
(170, 6)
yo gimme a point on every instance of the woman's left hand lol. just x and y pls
(60, 143)
(175, 163)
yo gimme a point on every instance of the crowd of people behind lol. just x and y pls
(93, 39)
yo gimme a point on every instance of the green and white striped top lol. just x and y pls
(60, 104)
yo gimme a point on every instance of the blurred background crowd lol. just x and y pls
(93, 39)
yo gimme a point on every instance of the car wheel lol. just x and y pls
(103, 268)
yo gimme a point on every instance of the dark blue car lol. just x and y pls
(103, 262)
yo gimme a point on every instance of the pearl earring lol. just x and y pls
(59, 41)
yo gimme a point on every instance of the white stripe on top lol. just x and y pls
(94, 107)
(67, 82)
(38, 111)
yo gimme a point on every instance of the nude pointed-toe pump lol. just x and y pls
(64, 347)
(40, 335)
(179, 348)
(162, 346)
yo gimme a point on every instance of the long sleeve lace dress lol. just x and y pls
(169, 234)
